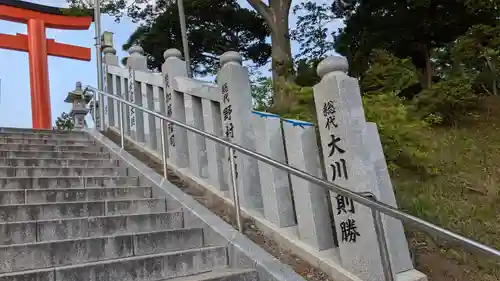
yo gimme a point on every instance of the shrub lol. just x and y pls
(387, 73)
(295, 102)
(64, 122)
(404, 136)
(451, 100)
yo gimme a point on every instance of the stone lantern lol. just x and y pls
(79, 101)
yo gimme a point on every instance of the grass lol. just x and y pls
(463, 197)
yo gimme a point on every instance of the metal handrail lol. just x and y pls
(361, 198)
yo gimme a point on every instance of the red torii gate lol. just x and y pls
(38, 18)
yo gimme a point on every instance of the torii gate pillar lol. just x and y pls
(38, 18)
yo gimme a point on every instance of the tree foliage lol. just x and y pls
(387, 73)
(64, 123)
(403, 135)
(262, 89)
(115, 8)
(276, 16)
(408, 29)
(315, 41)
(311, 30)
(306, 74)
(214, 27)
(450, 100)
(477, 54)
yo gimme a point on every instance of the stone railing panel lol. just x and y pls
(397, 245)
(329, 231)
(148, 101)
(212, 119)
(311, 201)
(159, 106)
(196, 143)
(125, 109)
(277, 195)
(198, 88)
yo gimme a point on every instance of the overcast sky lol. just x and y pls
(15, 105)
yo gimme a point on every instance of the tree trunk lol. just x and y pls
(425, 73)
(276, 16)
(422, 61)
(428, 70)
(492, 69)
(282, 62)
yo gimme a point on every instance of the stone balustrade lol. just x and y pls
(328, 230)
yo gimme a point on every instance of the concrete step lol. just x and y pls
(37, 131)
(227, 274)
(29, 196)
(51, 211)
(49, 147)
(58, 162)
(59, 253)
(27, 140)
(44, 134)
(73, 228)
(139, 268)
(53, 154)
(6, 171)
(66, 182)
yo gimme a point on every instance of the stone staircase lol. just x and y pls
(69, 211)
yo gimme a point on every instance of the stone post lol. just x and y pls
(342, 125)
(277, 199)
(177, 136)
(79, 109)
(311, 201)
(236, 112)
(136, 61)
(110, 105)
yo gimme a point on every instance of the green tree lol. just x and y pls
(275, 14)
(311, 30)
(315, 41)
(443, 63)
(388, 73)
(262, 92)
(477, 53)
(408, 29)
(214, 27)
(306, 75)
(64, 123)
(450, 100)
(405, 138)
